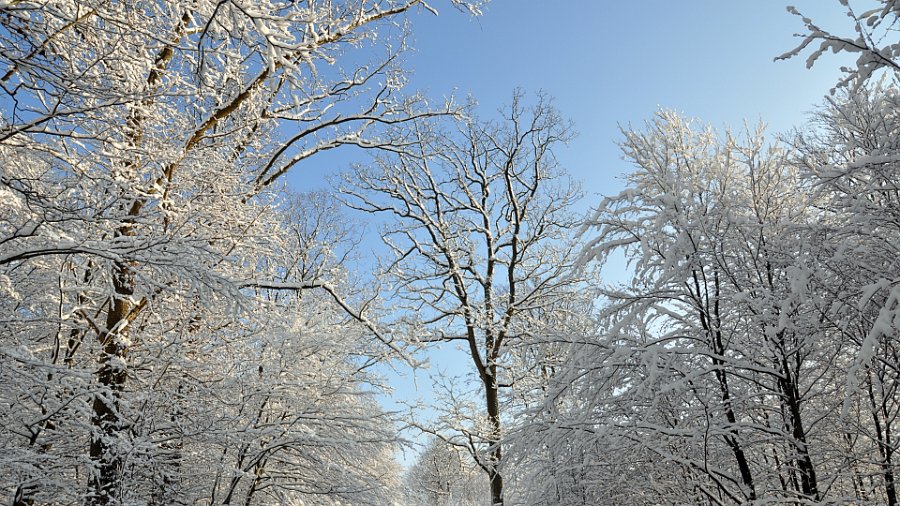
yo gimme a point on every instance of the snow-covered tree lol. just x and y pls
(445, 475)
(142, 145)
(851, 155)
(715, 360)
(872, 41)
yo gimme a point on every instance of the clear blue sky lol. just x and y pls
(611, 63)
(614, 62)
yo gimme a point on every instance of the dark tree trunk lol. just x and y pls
(493, 409)
(885, 448)
(711, 322)
(791, 395)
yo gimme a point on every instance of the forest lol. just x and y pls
(181, 326)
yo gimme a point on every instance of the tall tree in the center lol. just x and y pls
(479, 227)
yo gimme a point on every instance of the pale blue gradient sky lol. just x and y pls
(611, 63)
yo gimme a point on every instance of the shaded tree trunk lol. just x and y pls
(496, 455)
(711, 322)
(885, 448)
(791, 398)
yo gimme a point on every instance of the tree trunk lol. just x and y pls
(885, 448)
(791, 396)
(104, 481)
(711, 322)
(493, 409)
(732, 438)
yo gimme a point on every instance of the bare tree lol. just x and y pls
(479, 227)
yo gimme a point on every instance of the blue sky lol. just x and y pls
(611, 63)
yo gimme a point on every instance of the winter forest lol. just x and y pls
(180, 325)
